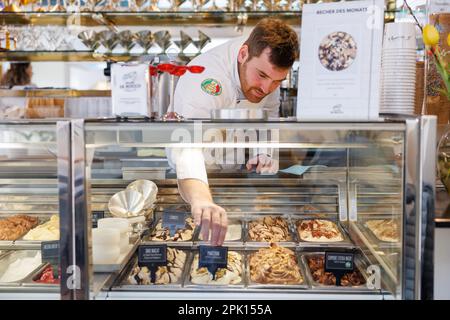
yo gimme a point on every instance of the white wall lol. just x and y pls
(50, 74)
(442, 263)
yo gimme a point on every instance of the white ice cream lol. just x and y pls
(47, 231)
(20, 268)
(234, 232)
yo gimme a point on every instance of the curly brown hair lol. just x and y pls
(279, 37)
(16, 75)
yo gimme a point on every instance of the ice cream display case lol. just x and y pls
(358, 193)
(29, 210)
(347, 215)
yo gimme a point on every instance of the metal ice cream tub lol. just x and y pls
(234, 237)
(345, 242)
(124, 279)
(249, 242)
(9, 271)
(359, 267)
(214, 286)
(303, 284)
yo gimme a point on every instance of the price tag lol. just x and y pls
(97, 215)
(50, 254)
(339, 263)
(213, 258)
(152, 256)
(173, 220)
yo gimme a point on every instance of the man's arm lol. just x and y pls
(194, 99)
(205, 212)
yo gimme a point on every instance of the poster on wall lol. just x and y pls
(340, 61)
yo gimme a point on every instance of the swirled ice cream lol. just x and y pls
(386, 230)
(163, 234)
(269, 229)
(232, 274)
(275, 265)
(45, 232)
(171, 273)
(319, 230)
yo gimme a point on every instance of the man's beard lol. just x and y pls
(249, 92)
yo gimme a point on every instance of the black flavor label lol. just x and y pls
(213, 258)
(50, 251)
(97, 215)
(339, 261)
(152, 255)
(173, 220)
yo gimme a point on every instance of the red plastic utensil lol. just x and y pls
(166, 67)
(196, 69)
(178, 71)
(153, 71)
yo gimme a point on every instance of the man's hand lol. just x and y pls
(263, 164)
(210, 216)
(205, 212)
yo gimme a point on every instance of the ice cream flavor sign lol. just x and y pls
(339, 264)
(213, 258)
(340, 61)
(152, 256)
(173, 220)
(50, 254)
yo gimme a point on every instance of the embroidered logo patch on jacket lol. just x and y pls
(212, 87)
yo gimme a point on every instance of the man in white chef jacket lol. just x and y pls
(242, 73)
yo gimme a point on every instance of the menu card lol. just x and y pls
(340, 61)
(439, 6)
(129, 89)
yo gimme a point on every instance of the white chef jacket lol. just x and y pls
(195, 100)
(221, 65)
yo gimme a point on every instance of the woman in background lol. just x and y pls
(18, 74)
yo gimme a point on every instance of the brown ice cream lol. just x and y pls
(275, 265)
(171, 273)
(317, 267)
(318, 230)
(232, 274)
(269, 229)
(15, 227)
(163, 234)
(385, 230)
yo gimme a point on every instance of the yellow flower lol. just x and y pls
(448, 39)
(430, 35)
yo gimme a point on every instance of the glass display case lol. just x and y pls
(343, 189)
(363, 189)
(29, 210)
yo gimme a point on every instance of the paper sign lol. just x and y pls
(439, 6)
(129, 89)
(340, 61)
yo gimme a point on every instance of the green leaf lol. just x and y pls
(445, 77)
